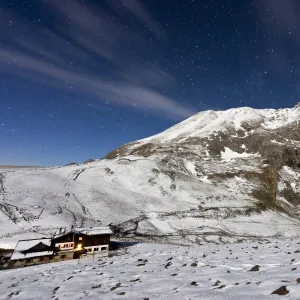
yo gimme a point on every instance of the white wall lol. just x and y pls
(94, 249)
(59, 245)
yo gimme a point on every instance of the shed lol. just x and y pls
(35, 251)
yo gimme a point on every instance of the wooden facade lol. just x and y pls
(83, 241)
(66, 246)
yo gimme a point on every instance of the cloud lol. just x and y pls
(282, 11)
(280, 20)
(95, 52)
(139, 11)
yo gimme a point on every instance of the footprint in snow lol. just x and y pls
(217, 283)
(255, 268)
(194, 264)
(96, 286)
(115, 287)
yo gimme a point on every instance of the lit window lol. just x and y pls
(79, 246)
(89, 250)
(80, 238)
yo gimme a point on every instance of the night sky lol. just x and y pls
(80, 78)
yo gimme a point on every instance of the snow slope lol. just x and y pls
(216, 173)
(37, 201)
(151, 271)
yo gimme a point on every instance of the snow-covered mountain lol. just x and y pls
(214, 176)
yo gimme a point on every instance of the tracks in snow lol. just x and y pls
(78, 219)
(12, 212)
(2, 183)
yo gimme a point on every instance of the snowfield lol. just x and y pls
(218, 173)
(37, 202)
(152, 271)
(211, 181)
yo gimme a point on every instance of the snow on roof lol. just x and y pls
(27, 244)
(93, 230)
(62, 232)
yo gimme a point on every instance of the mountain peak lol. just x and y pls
(297, 105)
(207, 123)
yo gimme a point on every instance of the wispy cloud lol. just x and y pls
(139, 11)
(280, 20)
(94, 50)
(282, 12)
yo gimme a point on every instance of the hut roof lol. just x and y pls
(93, 230)
(32, 248)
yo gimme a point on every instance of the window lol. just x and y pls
(63, 256)
(28, 260)
(103, 248)
(89, 249)
(80, 238)
(96, 249)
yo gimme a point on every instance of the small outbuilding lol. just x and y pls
(31, 252)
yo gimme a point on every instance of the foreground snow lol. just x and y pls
(165, 272)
